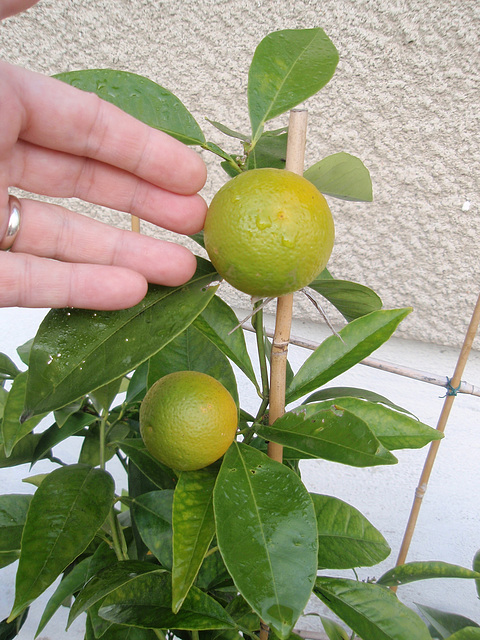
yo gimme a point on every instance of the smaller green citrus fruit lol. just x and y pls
(269, 232)
(188, 420)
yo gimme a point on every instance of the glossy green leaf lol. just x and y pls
(192, 351)
(217, 322)
(70, 584)
(77, 351)
(66, 512)
(467, 633)
(346, 539)
(413, 571)
(337, 354)
(155, 471)
(266, 532)
(370, 610)
(351, 299)
(63, 414)
(193, 529)
(476, 567)
(103, 397)
(227, 131)
(141, 98)
(146, 602)
(13, 513)
(287, 68)
(8, 369)
(3, 400)
(22, 453)
(314, 431)
(333, 630)
(393, 429)
(330, 393)
(153, 517)
(270, 151)
(342, 176)
(443, 622)
(106, 581)
(119, 632)
(52, 436)
(10, 630)
(12, 429)
(137, 386)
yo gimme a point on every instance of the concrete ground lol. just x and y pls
(448, 527)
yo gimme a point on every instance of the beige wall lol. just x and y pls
(405, 99)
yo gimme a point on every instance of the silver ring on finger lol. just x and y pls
(13, 226)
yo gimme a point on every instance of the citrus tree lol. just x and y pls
(238, 547)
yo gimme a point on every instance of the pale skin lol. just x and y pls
(58, 141)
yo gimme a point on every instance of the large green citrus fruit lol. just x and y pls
(269, 232)
(188, 420)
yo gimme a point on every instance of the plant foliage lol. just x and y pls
(220, 551)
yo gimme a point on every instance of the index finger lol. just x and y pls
(61, 117)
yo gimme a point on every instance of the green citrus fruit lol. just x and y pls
(188, 420)
(269, 232)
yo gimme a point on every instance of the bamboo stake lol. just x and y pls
(297, 135)
(442, 422)
(135, 222)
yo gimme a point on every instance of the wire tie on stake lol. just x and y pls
(451, 391)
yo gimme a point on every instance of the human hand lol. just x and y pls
(58, 141)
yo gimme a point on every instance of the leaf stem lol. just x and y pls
(257, 322)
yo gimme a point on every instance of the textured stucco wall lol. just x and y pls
(405, 99)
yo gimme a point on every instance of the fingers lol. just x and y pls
(29, 281)
(11, 7)
(50, 231)
(73, 176)
(58, 116)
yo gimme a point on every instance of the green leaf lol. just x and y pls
(476, 567)
(152, 513)
(8, 369)
(193, 529)
(393, 429)
(54, 435)
(106, 581)
(346, 539)
(467, 633)
(192, 351)
(287, 68)
(329, 393)
(371, 611)
(13, 513)
(267, 535)
(12, 429)
(443, 622)
(217, 323)
(227, 131)
(333, 630)
(351, 299)
(413, 571)
(66, 512)
(22, 453)
(155, 471)
(118, 632)
(141, 98)
(70, 584)
(337, 354)
(10, 630)
(342, 176)
(77, 351)
(103, 397)
(270, 151)
(146, 602)
(314, 431)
